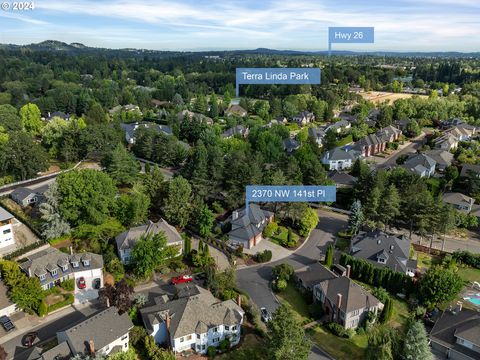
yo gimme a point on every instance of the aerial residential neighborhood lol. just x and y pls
(239, 180)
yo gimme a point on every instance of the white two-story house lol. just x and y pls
(6, 229)
(193, 321)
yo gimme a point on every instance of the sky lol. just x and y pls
(400, 25)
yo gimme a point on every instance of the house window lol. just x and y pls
(126, 345)
(54, 272)
(124, 337)
(216, 340)
(203, 347)
(198, 336)
(8, 231)
(42, 277)
(75, 264)
(182, 339)
(234, 327)
(215, 329)
(86, 262)
(381, 260)
(227, 328)
(65, 268)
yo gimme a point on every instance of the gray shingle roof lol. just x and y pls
(290, 144)
(130, 129)
(468, 168)
(59, 352)
(396, 249)
(5, 215)
(313, 274)
(342, 178)
(420, 159)
(338, 154)
(245, 227)
(44, 261)
(127, 239)
(22, 193)
(189, 314)
(441, 157)
(354, 297)
(456, 198)
(103, 328)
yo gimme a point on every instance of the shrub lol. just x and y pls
(43, 309)
(68, 300)
(217, 208)
(224, 345)
(211, 351)
(264, 256)
(281, 284)
(283, 271)
(381, 294)
(68, 285)
(336, 329)
(270, 229)
(165, 270)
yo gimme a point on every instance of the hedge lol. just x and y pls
(68, 300)
(394, 281)
(24, 250)
(467, 258)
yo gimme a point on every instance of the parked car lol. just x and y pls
(7, 323)
(81, 283)
(29, 339)
(97, 283)
(181, 279)
(266, 317)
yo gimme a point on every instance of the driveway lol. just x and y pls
(278, 252)
(220, 258)
(410, 148)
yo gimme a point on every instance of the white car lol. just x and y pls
(265, 315)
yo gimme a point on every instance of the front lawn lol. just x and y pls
(280, 237)
(344, 141)
(295, 301)
(426, 261)
(340, 348)
(468, 273)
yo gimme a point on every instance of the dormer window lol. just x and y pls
(54, 272)
(75, 264)
(64, 267)
(86, 262)
(42, 277)
(381, 260)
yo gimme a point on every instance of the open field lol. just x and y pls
(381, 96)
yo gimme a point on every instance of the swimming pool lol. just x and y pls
(475, 301)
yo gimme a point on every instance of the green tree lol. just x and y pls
(22, 157)
(329, 256)
(285, 337)
(86, 196)
(96, 114)
(387, 311)
(202, 258)
(54, 225)
(282, 271)
(214, 108)
(154, 352)
(439, 285)
(356, 217)
(31, 122)
(132, 208)
(177, 206)
(200, 104)
(379, 344)
(413, 129)
(122, 166)
(389, 206)
(205, 221)
(187, 245)
(150, 252)
(308, 221)
(9, 118)
(415, 345)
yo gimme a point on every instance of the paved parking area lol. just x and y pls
(85, 295)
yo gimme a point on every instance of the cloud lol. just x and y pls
(23, 18)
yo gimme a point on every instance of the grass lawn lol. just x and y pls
(344, 141)
(251, 347)
(340, 348)
(281, 236)
(469, 274)
(295, 301)
(425, 260)
(400, 313)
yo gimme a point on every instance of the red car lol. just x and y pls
(81, 283)
(181, 279)
(29, 339)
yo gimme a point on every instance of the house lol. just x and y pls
(463, 131)
(247, 227)
(402, 124)
(6, 306)
(308, 276)
(446, 124)
(27, 197)
(235, 110)
(459, 201)
(290, 145)
(456, 334)
(375, 143)
(420, 164)
(126, 240)
(317, 134)
(6, 229)
(131, 128)
(470, 170)
(239, 130)
(345, 302)
(446, 142)
(384, 250)
(59, 114)
(339, 126)
(60, 352)
(193, 321)
(104, 333)
(342, 179)
(190, 115)
(303, 118)
(442, 158)
(338, 159)
(51, 267)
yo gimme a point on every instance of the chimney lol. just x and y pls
(71, 250)
(348, 270)
(167, 320)
(239, 300)
(92, 348)
(234, 215)
(339, 303)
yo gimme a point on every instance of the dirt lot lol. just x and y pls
(381, 96)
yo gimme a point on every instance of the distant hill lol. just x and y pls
(77, 48)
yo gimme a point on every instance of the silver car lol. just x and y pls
(265, 315)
